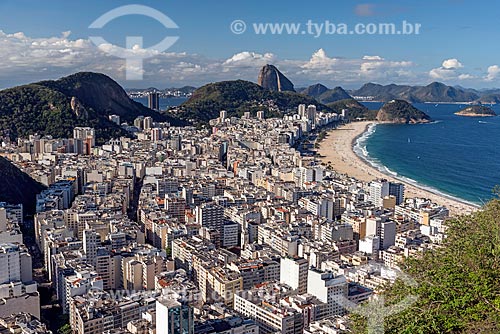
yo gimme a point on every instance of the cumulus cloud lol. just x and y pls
(247, 58)
(450, 70)
(320, 60)
(493, 72)
(452, 64)
(372, 58)
(25, 59)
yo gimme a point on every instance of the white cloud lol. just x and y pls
(372, 58)
(450, 70)
(493, 72)
(25, 59)
(466, 76)
(441, 73)
(452, 64)
(320, 59)
(250, 59)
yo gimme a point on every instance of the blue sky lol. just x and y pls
(456, 45)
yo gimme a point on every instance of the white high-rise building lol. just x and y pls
(378, 190)
(222, 116)
(330, 289)
(173, 316)
(148, 123)
(91, 241)
(370, 244)
(302, 110)
(311, 113)
(385, 230)
(293, 272)
(85, 134)
(10, 263)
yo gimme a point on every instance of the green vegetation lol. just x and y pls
(332, 95)
(56, 107)
(433, 92)
(458, 285)
(18, 187)
(400, 111)
(357, 111)
(239, 96)
(65, 329)
(476, 110)
(325, 95)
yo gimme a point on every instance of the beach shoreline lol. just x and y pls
(337, 150)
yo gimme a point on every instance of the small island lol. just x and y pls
(401, 112)
(476, 111)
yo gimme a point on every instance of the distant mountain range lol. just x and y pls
(434, 92)
(87, 99)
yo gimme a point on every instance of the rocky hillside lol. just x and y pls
(356, 111)
(476, 111)
(326, 95)
(56, 107)
(272, 79)
(18, 187)
(237, 97)
(401, 112)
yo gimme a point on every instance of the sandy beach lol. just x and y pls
(337, 149)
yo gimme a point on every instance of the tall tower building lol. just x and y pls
(10, 263)
(328, 288)
(397, 190)
(87, 136)
(173, 316)
(91, 241)
(302, 110)
(147, 123)
(175, 142)
(385, 230)
(293, 272)
(210, 215)
(222, 116)
(139, 122)
(311, 113)
(154, 101)
(378, 190)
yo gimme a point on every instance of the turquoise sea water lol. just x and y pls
(454, 155)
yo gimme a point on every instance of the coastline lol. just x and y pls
(338, 147)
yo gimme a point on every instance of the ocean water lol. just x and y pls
(164, 102)
(456, 156)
